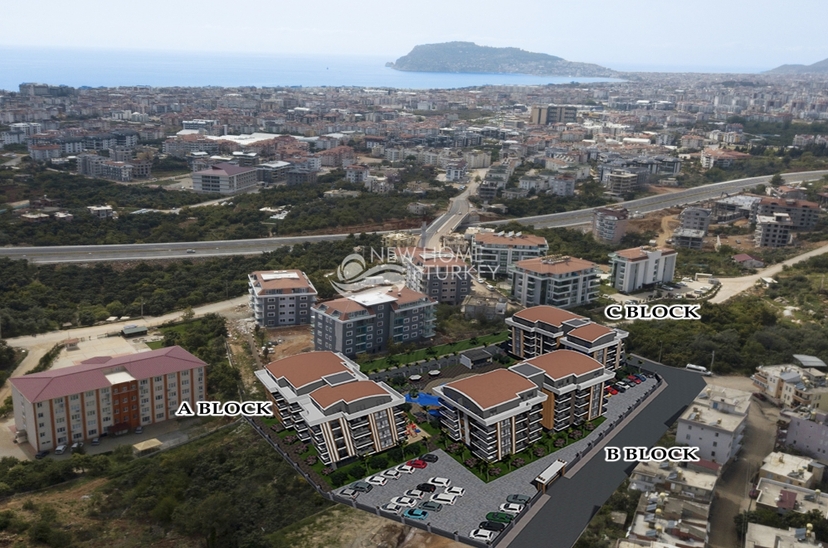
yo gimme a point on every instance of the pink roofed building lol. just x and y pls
(105, 395)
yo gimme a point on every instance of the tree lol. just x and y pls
(485, 466)
(777, 181)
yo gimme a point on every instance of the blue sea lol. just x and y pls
(110, 68)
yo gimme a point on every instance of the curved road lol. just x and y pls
(177, 250)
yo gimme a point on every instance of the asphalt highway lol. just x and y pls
(442, 225)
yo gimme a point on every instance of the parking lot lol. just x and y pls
(480, 497)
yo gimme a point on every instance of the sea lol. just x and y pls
(109, 68)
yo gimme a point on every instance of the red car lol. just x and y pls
(417, 463)
(633, 378)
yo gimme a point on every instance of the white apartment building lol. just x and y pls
(715, 423)
(638, 267)
(357, 173)
(369, 320)
(609, 225)
(493, 253)
(456, 171)
(325, 398)
(281, 297)
(225, 178)
(793, 386)
(495, 414)
(439, 274)
(477, 159)
(792, 470)
(556, 281)
(542, 329)
(773, 230)
(105, 395)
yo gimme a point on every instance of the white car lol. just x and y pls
(440, 482)
(377, 480)
(392, 474)
(482, 534)
(415, 493)
(511, 508)
(481, 281)
(406, 502)
(443, 498)
(391, 507)
(456, 491)
(405, 469)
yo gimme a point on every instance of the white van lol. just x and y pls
(444, 498)
(60, 449)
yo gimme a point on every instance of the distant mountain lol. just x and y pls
(817, 68)
(469, 57)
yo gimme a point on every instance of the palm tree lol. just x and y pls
(485, 466)
(402, 443)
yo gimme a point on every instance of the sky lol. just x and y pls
(624, 35)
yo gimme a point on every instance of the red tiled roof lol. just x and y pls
(493, 388)
(91, 374)
(303, 369)
(562, 363)
(547, 314)
(590, 332)
(347, 392)
(553, 265)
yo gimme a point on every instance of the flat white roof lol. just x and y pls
(280, 276)
(374, 296)
(119, 377)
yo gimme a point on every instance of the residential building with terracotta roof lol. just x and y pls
(441, 275)
(225, 178)
(330, 403)
(803, 214)
(105, 395)
(556, 281)
(573, 383)
(494, 252)
(368, 321)
(281, 297)
(495, 414)
(542, 329)
(641, 267)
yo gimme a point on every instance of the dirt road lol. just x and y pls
(733, 286)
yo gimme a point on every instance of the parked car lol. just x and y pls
(405, 469)
(634, 379)
(499, 517)
(641, 376)
(518, 499)
(415, 513)
(431, 505)
(417, 463)
(377, 480)
(393, 473)
(440, 482)
(492, 526)
(619, 388)
(415, 493)
(407, 502)
(95, 441)
(511, 508)
(362, 486)
(77, 446)
(139, 430)
(350, 493)
(391, 507)
(482, 534)
(40, 454)
(60, 449)
(444, 498)
(456, 491)
(428, 457)
(426, 487)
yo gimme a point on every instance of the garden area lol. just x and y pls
(549, 443)
(413, 356)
